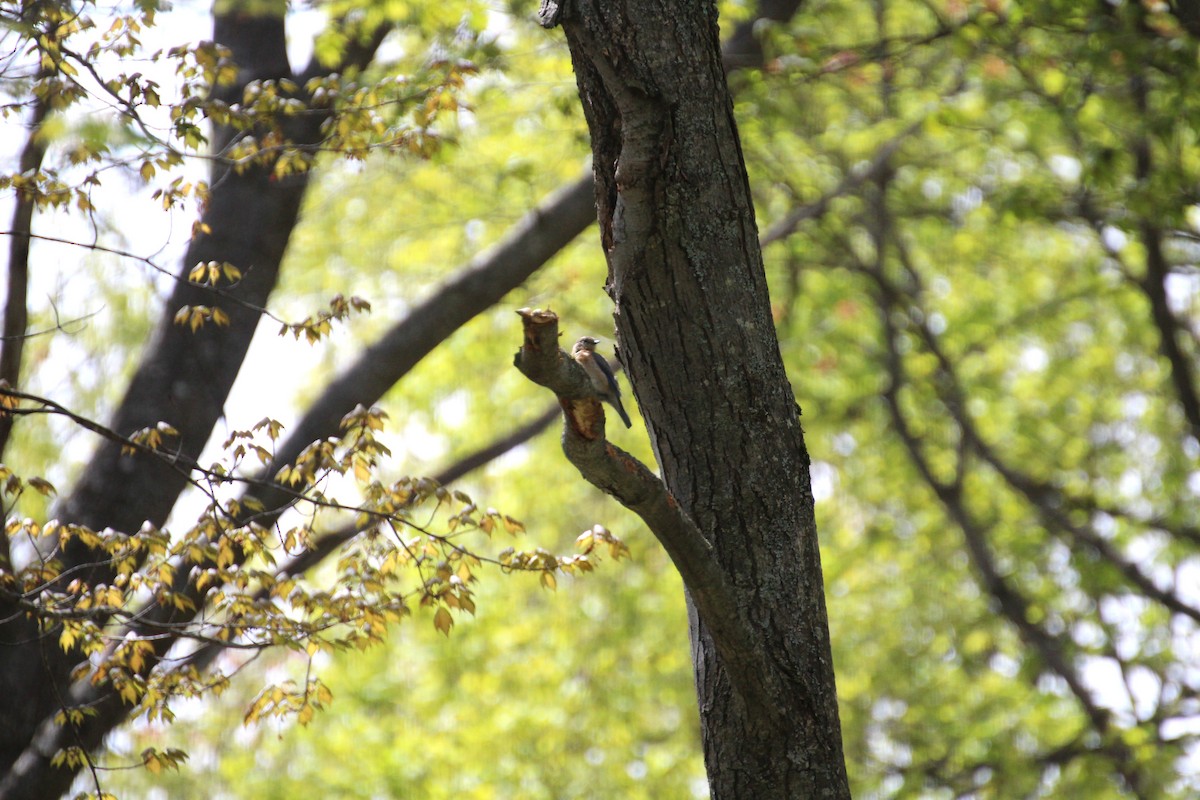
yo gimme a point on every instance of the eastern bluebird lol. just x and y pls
(603, 379)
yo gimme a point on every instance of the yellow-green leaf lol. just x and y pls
(443, 621)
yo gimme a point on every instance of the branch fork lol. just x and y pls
(629, 481)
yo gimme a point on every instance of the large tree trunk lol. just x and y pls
(695, 332)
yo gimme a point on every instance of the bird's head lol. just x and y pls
(586, 343)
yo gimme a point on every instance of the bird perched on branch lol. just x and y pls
(604, 381)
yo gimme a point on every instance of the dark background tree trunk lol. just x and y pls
(695, 332)
(183, 380)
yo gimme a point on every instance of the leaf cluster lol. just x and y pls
(234, 580)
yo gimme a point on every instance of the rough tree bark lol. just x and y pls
(695, 333)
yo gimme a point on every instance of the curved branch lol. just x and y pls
(633, 485)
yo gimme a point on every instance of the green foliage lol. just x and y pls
(965, 205)
(241, 569)
(541, 695)
(968, 326)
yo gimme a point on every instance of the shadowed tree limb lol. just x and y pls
(1012, 604)
(16, 313)
(1047, 501)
